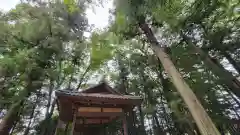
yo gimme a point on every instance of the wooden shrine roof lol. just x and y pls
(101, 95)
(101, 88)
(95, 95)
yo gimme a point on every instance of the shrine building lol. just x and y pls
(89, 109)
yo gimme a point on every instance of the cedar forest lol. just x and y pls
(181, 56)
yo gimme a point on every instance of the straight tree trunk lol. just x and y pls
(48, 114)
(231, 60)
(142, 127)
(152, 101)
(166, 90)
(131, 124)
(45, 128)
(16, 121)
(159, 129)
(150, 125)
(225, 77)
(123, 86)
(82, 78)
(26, 132)
(51, 86)
(10, 118)
(123, 77)
(203, 121)
(13, 128)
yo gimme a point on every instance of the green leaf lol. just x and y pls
(101, 49)
(71, 5)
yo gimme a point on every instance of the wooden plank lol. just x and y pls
(99, 104)
(112, 110)
(120, 101)
(99, 109)
(89, 109)
(125, 127)
(96, 121)
(99, 114)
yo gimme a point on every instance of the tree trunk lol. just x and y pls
(178, 126)
(151, 101)
(51, 86)
(26, 132)
(48, 114)
(82, 78)
(142, 127)
(130, 123)
(159, 129)
(217, 69)
(9, 119)
(123, 77)
(231, 60)
(45, 128)
(16, 122)
(203, 121)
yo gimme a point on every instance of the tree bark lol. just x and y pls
(130, 122)
(178, 126)
(159, 129)
(142, 127)
(225, 77)
(45, 128)
(51, 86)
(231, 60)
(16, 121)
(9, 119)
(82, 78)
(26, 132)
(123, 77)
(203, 121)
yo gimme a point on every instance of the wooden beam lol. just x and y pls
(112, 110)
(125, 128)
(74, 122)
(99, 104)
(95, 121)
(78, 117)
(89, 99)
(89, 109)
(99, 109)
(98, 114)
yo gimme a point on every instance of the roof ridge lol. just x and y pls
(98, 95)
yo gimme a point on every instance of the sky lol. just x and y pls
(98, 17)
(8, 4)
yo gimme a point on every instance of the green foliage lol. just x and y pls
(102, 48)
(42, 49)
(71, 5)
(40, 52)
(170, 13)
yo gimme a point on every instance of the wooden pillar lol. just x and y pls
(125, 127)
(74, 122)
(132, 119)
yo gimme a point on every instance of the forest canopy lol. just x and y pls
(181, 56)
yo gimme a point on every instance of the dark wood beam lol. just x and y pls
(79, 117)
(99, 104)
(99, 114)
